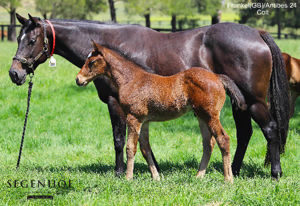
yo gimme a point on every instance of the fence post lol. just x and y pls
(2, 32)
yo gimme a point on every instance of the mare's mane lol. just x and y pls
(126, 56)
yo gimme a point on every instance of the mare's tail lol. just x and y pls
(233, 91)
(278, 92)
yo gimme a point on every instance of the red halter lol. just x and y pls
(53, 35)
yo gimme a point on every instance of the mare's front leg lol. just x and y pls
(208, 142)
(118, 122)
(108, 94)
(147, 152)
(134, 129)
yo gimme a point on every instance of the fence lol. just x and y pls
(4, 33)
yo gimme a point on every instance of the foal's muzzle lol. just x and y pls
(79, 83)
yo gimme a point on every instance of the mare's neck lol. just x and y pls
(73, 38)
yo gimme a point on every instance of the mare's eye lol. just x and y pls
(32, 41)
(91, 63)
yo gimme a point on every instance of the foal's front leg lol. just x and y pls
(134, 128)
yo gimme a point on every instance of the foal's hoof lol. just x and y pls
(229, 180)
(129, 177)
(200, 174)
(157, 178)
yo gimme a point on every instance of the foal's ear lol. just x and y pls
(21, 19)
(97, 47)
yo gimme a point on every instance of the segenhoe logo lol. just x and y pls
(63, 184)
(40, 189)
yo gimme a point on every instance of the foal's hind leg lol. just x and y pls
(208, 142)
(146, 150)
(222, 139)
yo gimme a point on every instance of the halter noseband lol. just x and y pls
(30, 64)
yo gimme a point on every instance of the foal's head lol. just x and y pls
(94, 66)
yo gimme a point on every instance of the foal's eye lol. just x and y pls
(91, 63)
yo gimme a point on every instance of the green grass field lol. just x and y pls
(69, 138)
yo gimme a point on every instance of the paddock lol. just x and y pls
(63, 142)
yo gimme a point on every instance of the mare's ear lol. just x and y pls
(21, 19)
(34, 20)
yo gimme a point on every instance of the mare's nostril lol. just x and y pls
(13, 75)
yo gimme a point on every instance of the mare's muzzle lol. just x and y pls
(17, 73)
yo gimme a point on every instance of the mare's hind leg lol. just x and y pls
(243, 132)
(222, 139)
(134, 128)
(262, 116)
(208, 142)
(146, 150)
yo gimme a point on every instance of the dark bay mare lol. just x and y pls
(248, 56)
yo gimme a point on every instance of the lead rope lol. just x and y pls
(26, 116)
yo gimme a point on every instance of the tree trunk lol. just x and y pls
(215, 19)
(173, 23)
(12, 29)
(112, 10)
(147, 20)
(278, 23)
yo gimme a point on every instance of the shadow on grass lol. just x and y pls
(90, 168)
(248, 170)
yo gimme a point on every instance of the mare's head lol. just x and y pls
(94, 66)
(32, 49)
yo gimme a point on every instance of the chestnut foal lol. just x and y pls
(292, 66)
(146, 97)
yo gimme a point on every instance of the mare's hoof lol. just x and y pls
(276, 176)
(119, 172)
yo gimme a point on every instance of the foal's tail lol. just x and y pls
(233, 91)
(278, 91)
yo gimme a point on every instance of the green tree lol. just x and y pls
(283, 14)
(10, 6)
(142, 8)
(210, 7)
(70, 9)
(176, 8)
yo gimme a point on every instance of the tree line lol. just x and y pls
(178, 10)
